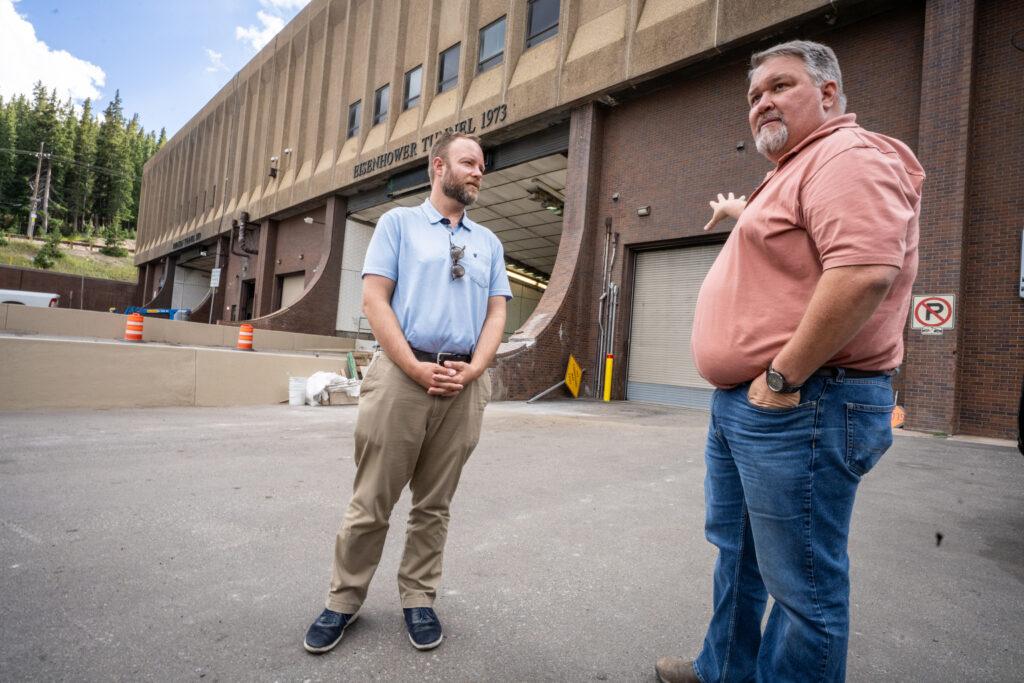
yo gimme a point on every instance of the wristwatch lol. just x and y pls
(777, 382)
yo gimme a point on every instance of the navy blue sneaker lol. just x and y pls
(326, 631)
(424, 627)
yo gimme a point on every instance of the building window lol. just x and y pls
(492, 45)
(355, 111)
(413, 86)
(380, 104)
(541, 21)
(448, 69)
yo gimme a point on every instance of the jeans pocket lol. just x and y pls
(802, 405)
(868, 435)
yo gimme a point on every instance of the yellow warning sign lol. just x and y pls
(573, 375)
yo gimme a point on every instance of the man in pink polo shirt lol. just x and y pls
(799, 324)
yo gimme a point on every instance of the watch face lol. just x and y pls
(776, 382)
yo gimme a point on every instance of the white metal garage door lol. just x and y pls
(661, 368)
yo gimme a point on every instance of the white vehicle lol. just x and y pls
(17, 296)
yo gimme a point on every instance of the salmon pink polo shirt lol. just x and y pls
(844, 196)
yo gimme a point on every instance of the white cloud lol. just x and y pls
(271, 22)
(258, 37)
(216, 61)
(24, 59)
(285, 4)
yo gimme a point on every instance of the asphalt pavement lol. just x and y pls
(195, 544)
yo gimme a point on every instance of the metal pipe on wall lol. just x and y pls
(599, 361)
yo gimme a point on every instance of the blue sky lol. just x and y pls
(167, 57)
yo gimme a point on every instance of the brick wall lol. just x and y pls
(88, 293)
(930, 379)
(992, 318)
(674, 149)
(316, 311)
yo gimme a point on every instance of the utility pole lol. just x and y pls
(46, 197)
(35, 194)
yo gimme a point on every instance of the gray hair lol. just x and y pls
(820, 61)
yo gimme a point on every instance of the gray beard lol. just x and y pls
(771, 141)
(454, 190)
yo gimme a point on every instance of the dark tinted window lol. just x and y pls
(448, 69)
(413, 85)
(541, 22)
(380, 104)
(492, 45)
(355, 111)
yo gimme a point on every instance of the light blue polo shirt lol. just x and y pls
(437, 313)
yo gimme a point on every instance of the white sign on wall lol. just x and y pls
(215, 278)
(933, 313)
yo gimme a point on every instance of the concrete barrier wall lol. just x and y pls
(74, 323)
(41, 372)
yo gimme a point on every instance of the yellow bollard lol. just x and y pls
(608, 362)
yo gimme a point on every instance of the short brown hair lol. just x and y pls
(440, 148)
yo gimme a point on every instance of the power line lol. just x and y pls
(72, 161)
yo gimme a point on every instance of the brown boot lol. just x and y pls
(675, 670)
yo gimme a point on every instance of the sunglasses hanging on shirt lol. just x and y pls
(457, 253)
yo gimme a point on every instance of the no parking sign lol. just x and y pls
(933, 313)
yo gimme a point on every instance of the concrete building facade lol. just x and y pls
(607, 126)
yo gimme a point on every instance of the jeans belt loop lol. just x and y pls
(840, 375)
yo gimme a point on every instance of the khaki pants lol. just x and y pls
(403, 436)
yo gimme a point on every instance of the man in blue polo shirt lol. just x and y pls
(435, 292)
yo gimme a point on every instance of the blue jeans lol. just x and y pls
(779, 495)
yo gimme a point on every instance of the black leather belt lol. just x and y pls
(440, 358)
(853, 374)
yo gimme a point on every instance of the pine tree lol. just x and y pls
(8, 140)
(136, 137)
(36, 124)
(113, 186)
(15, 191)
(96, 167)
(79, 182)
(60, 159)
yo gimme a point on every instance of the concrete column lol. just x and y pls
(561, 324)
(930, 385)
(264, 302)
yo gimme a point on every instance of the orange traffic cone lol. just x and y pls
(133, 328)
(245, 338)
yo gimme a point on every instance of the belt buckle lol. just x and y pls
(442, 357)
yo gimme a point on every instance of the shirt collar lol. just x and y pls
(824, 130)
(434, 216)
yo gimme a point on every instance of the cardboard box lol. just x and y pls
(339, 397)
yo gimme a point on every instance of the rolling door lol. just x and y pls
(661, 367)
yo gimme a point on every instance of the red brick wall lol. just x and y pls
(992, 313)
(88, 293)
(930, 378)
(675, 149)
(238, 268)
(294, 239)
(316, 312)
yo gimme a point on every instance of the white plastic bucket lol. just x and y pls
(296, 391)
